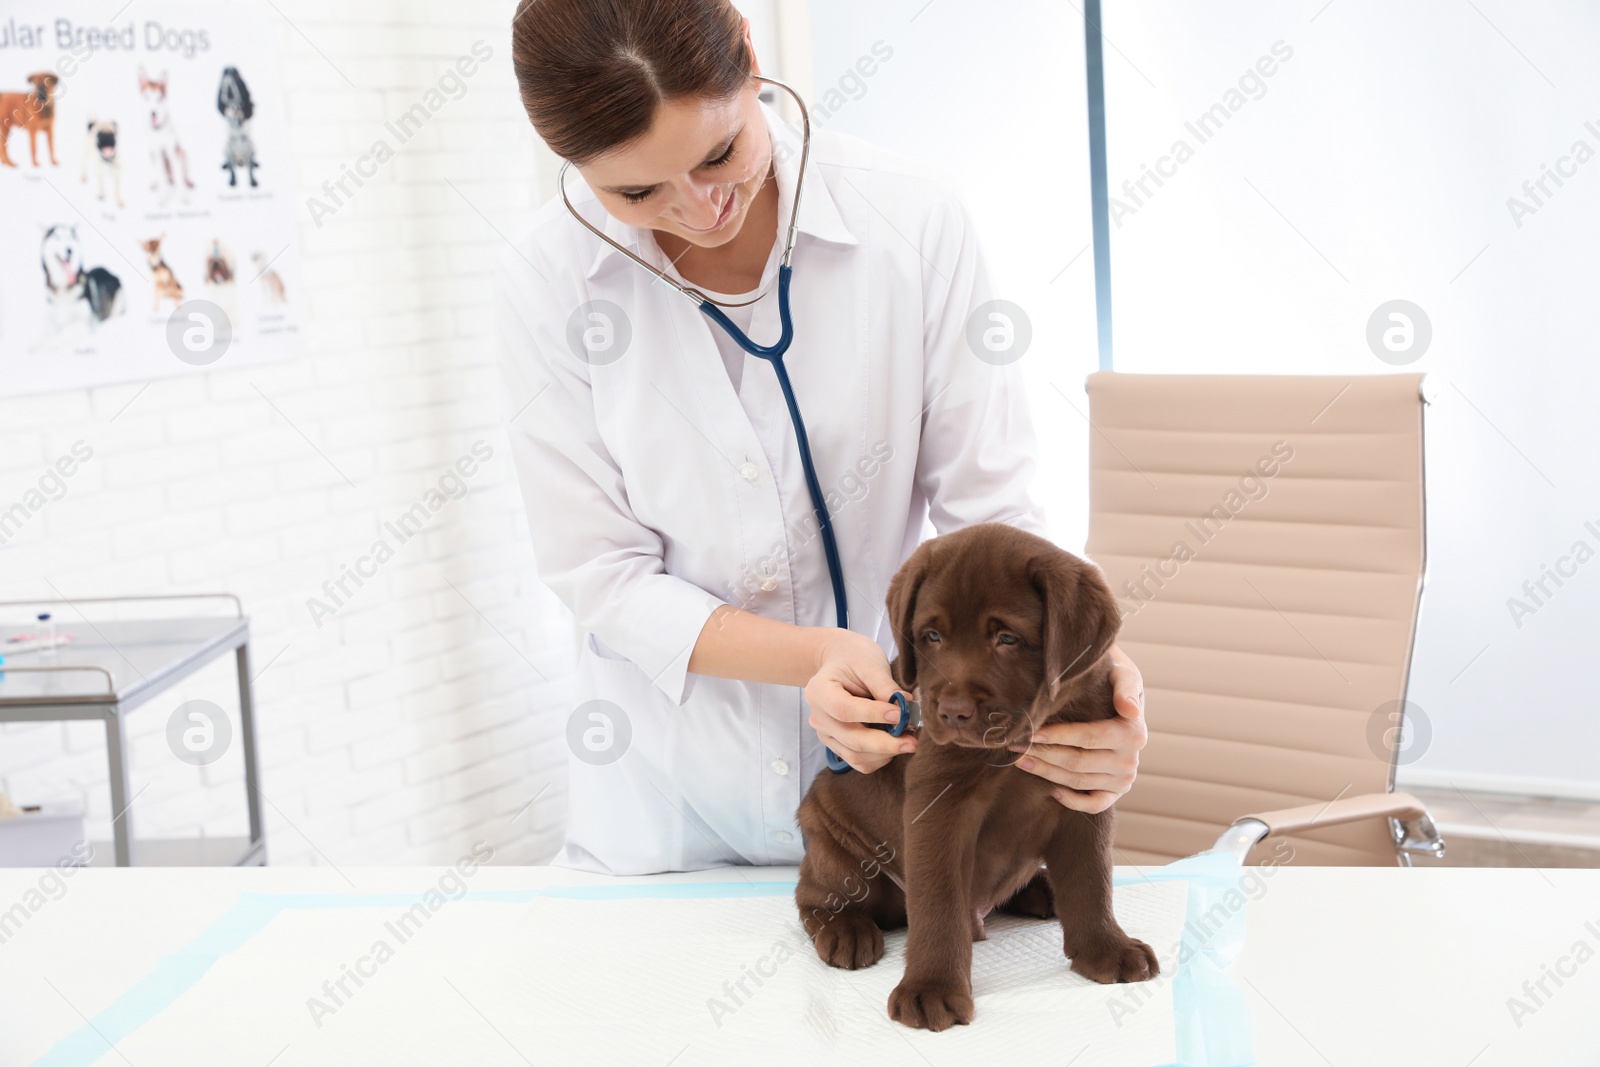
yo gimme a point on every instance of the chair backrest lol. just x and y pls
(1265, 537)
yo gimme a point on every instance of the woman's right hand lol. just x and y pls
(852, 685)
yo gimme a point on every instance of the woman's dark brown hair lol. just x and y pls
(592, 72)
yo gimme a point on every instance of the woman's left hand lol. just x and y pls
(1094, 763)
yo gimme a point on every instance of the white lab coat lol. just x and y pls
(655, 492)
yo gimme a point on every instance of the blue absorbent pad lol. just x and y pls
(639, 972)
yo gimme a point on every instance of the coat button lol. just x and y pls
(784, 836)
(780, 766)
(769, 583)
(748, 471)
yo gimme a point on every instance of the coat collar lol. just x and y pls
(819, 214)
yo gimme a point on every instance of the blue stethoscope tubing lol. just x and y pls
(773, 354)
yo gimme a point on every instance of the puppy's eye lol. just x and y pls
(1008, 639)
(932, 637)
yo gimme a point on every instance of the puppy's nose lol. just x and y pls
(956, 711)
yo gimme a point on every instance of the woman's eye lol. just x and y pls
(932, 637)
(1008, 639)
(721, 160)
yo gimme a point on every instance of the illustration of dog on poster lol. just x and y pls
(33, 110)
(100, 151)
(271, 281)
(168, 161)
(79, 299)
(236, 108)
(163, 280)
(220, 286)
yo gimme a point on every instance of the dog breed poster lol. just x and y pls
(144, 179)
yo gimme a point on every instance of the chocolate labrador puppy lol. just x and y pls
(1003, 632)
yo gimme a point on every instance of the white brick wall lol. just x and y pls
(415, 720)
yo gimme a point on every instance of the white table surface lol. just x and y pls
(1341, 966)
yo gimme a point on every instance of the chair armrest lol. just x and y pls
(1409, 822)
(1345, 809)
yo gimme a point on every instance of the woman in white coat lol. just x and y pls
(665, 495)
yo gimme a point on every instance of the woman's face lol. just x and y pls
(693, 174)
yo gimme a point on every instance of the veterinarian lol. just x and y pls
(666, 498)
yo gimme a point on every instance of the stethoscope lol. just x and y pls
(773, 354)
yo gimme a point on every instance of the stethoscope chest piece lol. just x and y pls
(910, 718)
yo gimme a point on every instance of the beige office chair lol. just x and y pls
(1264, 536)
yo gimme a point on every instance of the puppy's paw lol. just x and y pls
(1118, 958)
(850, 940)
(1033, 900)
(930, 1005)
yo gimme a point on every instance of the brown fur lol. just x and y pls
(33, 110)
(218, 270)
(165, 282)
(937, 839)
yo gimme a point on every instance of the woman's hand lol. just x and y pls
(1094, 762)
(852, 685)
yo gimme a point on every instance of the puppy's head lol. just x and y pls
(991, 622)
(154, 91)
(103, 133)
(233, 99)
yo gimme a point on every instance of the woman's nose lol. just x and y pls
(704, 206)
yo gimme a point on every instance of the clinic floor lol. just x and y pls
(1497, 830)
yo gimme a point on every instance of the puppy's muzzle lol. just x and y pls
(959, 721)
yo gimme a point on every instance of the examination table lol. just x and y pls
(535, 965)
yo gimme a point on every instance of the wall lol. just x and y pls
(1385, 158)
(1377, 161)
(998, 105)
(426, 711)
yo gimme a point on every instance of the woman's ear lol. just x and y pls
(902, 605)
(755, 63)
(1081, 618)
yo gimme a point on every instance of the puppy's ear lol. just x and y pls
(1081, 618)
(902, 605)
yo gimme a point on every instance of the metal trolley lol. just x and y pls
(113, 668)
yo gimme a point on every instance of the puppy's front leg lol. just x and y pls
(941, 847)
(1078, 863)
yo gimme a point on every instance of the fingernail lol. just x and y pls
(1037, 739)
(907, 748)
(1026, 763)
(1017, 748)
(892, 715)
